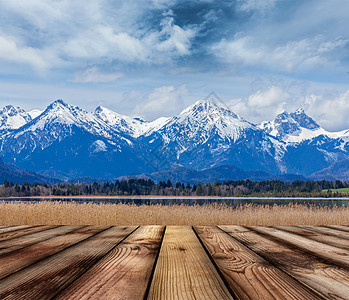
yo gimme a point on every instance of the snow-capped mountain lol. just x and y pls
(298, 127)
(55, 123)
(124, 124)
(13, 118)
(35, 113)
(63, 138)
(308, 147)
(292, 127)
(65, 141)
(205, 130)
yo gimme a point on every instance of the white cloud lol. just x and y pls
(11, 51)
(256, 5)
(261, 105)
(331, 112)
(95, 75)
(104, 42)
(177, 39)
(66, 33)
(305, 54)
(162, 101)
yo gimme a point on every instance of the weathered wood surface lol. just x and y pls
(329, 280)
(124, 272)
(174, 262)
(25, 241)
(18, 232)
(331, 253)
(4, 229)
(17, 260)
(339, 227)
(248, 275)
(312, 234)
(328, 231)
(50, 276)
(184, 270)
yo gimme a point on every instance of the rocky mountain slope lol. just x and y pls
(65, 142)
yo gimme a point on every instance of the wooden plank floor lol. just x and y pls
(174, 262)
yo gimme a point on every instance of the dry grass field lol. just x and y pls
(63, 213)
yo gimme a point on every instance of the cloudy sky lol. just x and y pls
(153, 58)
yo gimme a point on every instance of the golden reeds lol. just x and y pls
(71, 213)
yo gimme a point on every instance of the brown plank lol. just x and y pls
(124, 272)
(27, 240)
(248, 275)
(329, 280)
(327, 252)
(13, 228)
(316, 236)
(328, 231)
(24, 231)
(184, 271)
(48, 277)
(17, 260)
(339, 227)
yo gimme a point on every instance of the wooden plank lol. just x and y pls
(338, 227)
(248, 275)
(27, 240)
(124, 273)
(13, 228)
(316, 236)
(17, 260)
(327, 231)
(24, 231)
(329, 280)
(327, 252)
(184, 271)
(50, 276)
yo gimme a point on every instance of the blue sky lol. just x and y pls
(153, 58)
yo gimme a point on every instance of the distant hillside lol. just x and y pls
(338, 170)
(220, 173)
(11, 173)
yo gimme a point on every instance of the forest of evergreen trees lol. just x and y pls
(134, 187)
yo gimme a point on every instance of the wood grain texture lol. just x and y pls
(27, 240)
(104, 262)
(50, 276)
(124, 273)
(339, 227)
(316, 236)
(248, 275)
(329, 253)
(329, 231)
(184, 271)
(17, 260)
(13, 228)
(329, 280)
(23, 231)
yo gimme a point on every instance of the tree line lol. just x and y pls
(137, 187)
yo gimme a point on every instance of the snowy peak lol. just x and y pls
(208, 108)
(13, 118)
(292, 127)
(304, 120)
(202, 121)
(120, 123)
(281, 126)
(59, 117)
(61, 112)
(35, 113)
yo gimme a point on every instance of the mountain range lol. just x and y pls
(66, 142)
